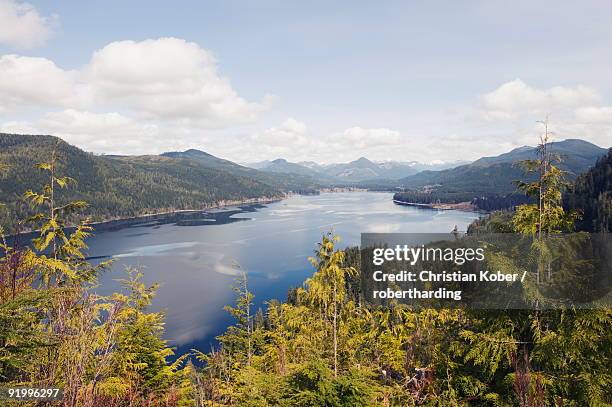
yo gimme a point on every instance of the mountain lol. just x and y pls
(297, 181)
(495, 175)
(312, 165)
(365, 170)
(259, 165)
(281, 165)
(575, 154)
(123, 186)
(437, 165)
(359, 172)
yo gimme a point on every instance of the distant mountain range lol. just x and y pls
(123, 186)
(495, 175)
(283, 180)
(356, 171)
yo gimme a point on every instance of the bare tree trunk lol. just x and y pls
(335, 331)
(248, 314)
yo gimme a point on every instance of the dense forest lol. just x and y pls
(490, 176)
(592, 195)
(481, 202)
(324, 346)
(433, 197)
(115, 186)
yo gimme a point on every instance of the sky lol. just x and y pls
(307, 81)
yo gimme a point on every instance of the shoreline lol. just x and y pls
(120, 222)
(168, 215)
(460, 206)
(147, 217)
(177, 215)
(210, 207)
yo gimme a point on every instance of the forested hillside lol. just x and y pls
(120, 186)
(495, 175)
(360, 171)
(591, 194)
(285, 180)
(325, 346)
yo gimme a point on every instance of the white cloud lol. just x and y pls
(360, 138)
(158, 95)
(290, 134)
(293, 141)
(507, 117)
(27, 82)
(98, 132)
(169, 78)
(594, 115)
(513, 98)
(289, 140)
(22, 26)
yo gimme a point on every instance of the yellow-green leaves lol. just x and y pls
(35, 198)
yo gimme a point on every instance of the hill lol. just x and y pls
(284, 180)
(495, 175)
(352, 172)
(575, 154)
(282, 166)
(591, 194)
(123, 186)
(361, 172)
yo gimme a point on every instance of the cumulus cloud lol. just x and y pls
(109, 132)
(165, 79)
(358, 137)
(169, 78)
(507, 117)
(290, 134)
(293, 141)
(288, 140)
(22, 26)
(27, 82)
(158, 95)
(513, 98)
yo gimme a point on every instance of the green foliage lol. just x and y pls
(19, 334)
(494, 175)
(591, 195)
(547, 215)
(56, 332)
(119, 186)
(239, 337)
(313, 384)
(326, 346)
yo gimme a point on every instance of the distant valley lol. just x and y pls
(126, 186)
(360, 170)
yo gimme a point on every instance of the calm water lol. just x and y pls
(196, 265)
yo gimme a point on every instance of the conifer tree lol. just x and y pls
(327, 287)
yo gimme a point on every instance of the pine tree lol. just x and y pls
(327, 287)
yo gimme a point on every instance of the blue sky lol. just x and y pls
(322, 81)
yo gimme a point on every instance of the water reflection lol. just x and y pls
(196, 260)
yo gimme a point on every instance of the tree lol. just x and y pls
(327, 287)
(547, 215)
(239, 337)
(56, 332)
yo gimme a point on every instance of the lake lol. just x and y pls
(196, 262)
